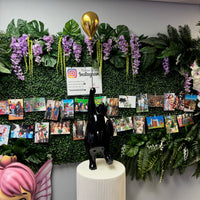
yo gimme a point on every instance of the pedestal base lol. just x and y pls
(107, 182)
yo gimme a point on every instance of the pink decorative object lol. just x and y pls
(17, 181)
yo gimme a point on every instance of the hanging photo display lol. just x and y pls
(171, 124)
(49, 109)
(56, 111)
(79, 128)
(138, 124)
(67, 108)
(155, 122)
(185, 119)
(34, 104)
(21, 131)
(81, 105)
(142, 103)
(156, 101)
(42, 132)
(169, 101)
(179, 101)
(4, 134)
(100, 99)
(112, 106)
(81, 79)
(124, 124)
(190, 103)
(4, 107)
(127, 101)
(16, 109)
(60, 128)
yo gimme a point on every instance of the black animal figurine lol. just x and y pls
(99, 130)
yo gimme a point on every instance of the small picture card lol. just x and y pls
(155, 122)
(41, 132)
(142, 103)
(190, 103)
(127, 101)
(21, 131)
(185, 119)
(81, 105)
(49, 109)
(100, 99)
(156, 101)
(169, 101)
(171, 124)
(56, 111)
(139, 124)
(16, 109)
(34, 104)
(179, 101)
(79, 128)
(67, 108)
(60, 128)
(112, 106)
(4, 107)
(124, 124)
(4, 134)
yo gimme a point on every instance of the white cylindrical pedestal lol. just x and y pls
(107, 182)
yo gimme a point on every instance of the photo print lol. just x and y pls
(124, 124)
(34, 104)
(79, 128)
(171, 124)
(169, 99)
(49, 109)
(155, 122)
(60, 128)
(81, 105)
(56, 109)
(41, 132)
(112, 106)
(185, 119)
(16, 109)
(67, 108)
(127, 101)
(142, 103)
(100, 99)
(156, 101)
(179, 101)
(21, 131)
(190, 103)
(114, 126)
(139, 124)
(4, 134)
(4, 107)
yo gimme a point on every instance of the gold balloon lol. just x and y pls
(89, 23)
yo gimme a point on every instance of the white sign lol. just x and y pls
(81, 79)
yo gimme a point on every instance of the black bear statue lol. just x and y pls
(99, 130)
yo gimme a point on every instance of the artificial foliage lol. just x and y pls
(143, 155)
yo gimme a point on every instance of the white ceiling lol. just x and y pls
(179, 1)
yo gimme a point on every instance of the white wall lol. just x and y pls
(141, 17)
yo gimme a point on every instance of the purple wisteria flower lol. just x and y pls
(89, 45)
(49, 41)
(187, 82)
(67, 45)
(37, 51)
(77, 49)
(20, 49)
(135, 52)
(107, 49)
(122, 44)
(165, 64)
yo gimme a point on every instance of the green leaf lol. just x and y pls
(71, 28)
(3, 69)
(48, 61)
(11, 30)
(118, 62)
(22, 26)
(148, 57)
(132, 151)
(105, 29)
(122, 30)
